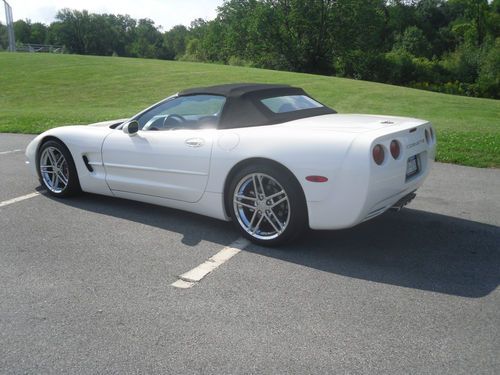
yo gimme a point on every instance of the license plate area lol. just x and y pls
(412, 166)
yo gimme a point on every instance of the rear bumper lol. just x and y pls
(395, 202)
(356, 201)
(323, 216)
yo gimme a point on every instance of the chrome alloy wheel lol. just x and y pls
(54, 170)
(262, 206)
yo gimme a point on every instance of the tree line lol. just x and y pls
(448, 46)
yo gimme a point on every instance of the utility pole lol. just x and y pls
(10, 26)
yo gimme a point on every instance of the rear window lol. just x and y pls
(290, 103)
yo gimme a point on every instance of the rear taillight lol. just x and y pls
(395, 149)
(427, 136)
(378, 154)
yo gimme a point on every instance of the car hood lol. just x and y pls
(104, 124)
(353, 123)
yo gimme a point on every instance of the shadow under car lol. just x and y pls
(410, 248)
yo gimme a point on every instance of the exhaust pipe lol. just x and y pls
(403, 201)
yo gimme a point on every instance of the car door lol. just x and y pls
(167, 158)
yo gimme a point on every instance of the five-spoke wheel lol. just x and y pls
(267, 205)
(56, 169)
(262, 206)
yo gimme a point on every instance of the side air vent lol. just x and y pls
(87, 164)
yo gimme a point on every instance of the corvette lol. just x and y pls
(270, 158)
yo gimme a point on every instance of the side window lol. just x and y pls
(185, 112)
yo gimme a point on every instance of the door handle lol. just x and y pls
(195, 142)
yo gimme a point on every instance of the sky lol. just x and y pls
(166, 13)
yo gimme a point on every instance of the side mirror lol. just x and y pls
(131, 128)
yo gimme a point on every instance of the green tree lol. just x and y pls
(470, 23)
(147, 41)
(123, 31)
(413, 41)
(489, 72)
(304, 30)
(22, 31)
(72, 29)
(39, 33)
(175, 40)
(358, 37)
(4, 39)
(282, 34)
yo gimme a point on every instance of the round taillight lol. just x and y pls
(427, 136)
(395, 149)
(378, 154)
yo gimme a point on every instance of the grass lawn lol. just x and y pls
(40, 91)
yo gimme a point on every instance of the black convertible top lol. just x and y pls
(243, 107)
(232, 89)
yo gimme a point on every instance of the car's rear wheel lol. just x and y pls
(267, 205)
(56, 169)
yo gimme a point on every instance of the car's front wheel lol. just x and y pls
(56, 169)
(267, 205)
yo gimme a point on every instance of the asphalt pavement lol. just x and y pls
(85, 286)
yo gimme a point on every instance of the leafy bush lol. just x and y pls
(463, 64)
(273, 61)
(359, 64)
(413, 41)
(238, 61)
(400, 67)
(489, 74)
(426, 70)
(454, 88)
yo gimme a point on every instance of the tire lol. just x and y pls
(61, 180)
(271, 217)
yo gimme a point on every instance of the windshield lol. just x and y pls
(189, 111)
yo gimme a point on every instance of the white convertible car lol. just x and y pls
(268, 157)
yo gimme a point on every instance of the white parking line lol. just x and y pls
(9, 152)
(18, 199)
(190, 278)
